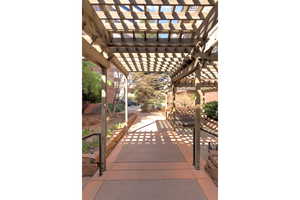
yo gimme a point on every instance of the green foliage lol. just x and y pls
(85, 132)
(91, 83)
(86, 145)
(119, 107)
(211, 109)
(93, 141)
(115, 127)
(149, 88)
(119, 125)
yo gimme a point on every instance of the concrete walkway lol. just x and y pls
(152, 162)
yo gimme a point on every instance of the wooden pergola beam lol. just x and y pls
(156, 62)
(97, 32)
(156, 42)
(131, 20)
(179, 60)
(90, 53)
(165, 55)
(150, 49)
(199, 85)
(208, 24)
(151, 67)
(180, 27)
(128, 15)
(119, 65)
(187, 70)
(154, 31)
(207, 90)
(197, 55)
(92, 26)
(149, 45)
(158, 3)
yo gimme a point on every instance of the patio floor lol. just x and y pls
(151, 162)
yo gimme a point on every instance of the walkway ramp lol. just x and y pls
(151, 162)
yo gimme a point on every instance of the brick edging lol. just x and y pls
(114, 141)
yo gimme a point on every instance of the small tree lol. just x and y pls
(91, 83)
(149, 88)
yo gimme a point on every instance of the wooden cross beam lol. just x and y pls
(156, 3)
(150, 49)
(94, 29)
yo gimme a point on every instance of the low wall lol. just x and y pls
(114, 140)
(92, 108)
(211, 166)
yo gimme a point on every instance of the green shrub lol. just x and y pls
(92, 143)
(119, 107)
(211, 110)
(85, 132)
(91, 83)
(118, 125)
(86, 145)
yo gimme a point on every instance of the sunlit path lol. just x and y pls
(151, 162)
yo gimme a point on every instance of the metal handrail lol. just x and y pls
(90, 135)
(99, 141)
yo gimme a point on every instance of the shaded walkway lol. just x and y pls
(151, 162)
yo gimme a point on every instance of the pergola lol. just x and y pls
(177, 37)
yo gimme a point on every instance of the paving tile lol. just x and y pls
(150, 190)
(148, 174)
(150, 153)
(151, 165)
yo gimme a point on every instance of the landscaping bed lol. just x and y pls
(211, 166)
(89, 161)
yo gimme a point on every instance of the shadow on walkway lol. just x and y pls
(152, 162)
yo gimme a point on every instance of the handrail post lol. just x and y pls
(194, 144)
(100, 151)
(100, 166)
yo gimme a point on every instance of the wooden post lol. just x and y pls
(126, 99)
(103, 118)
(198, 111)
(174, 96)
(166, 108)
(198, 105)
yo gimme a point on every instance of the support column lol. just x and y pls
(174, 96)
(198, 106)
(197, 128)
(166, 108)
(103, 119)
(126, 99)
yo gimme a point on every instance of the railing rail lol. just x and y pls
(90, 135)
(99, 143)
